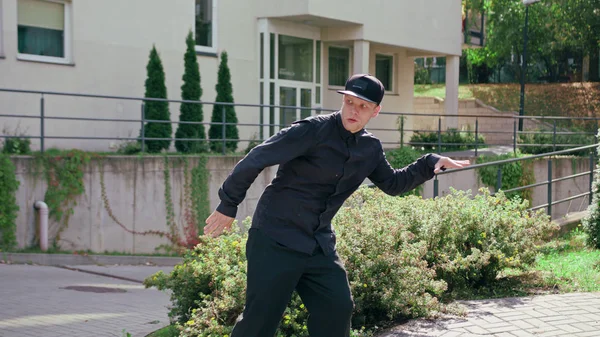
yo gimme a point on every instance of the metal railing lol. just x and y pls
(399, 131)
(549, 182)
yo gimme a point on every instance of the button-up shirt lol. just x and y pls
(320, 165)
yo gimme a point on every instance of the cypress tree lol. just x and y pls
(190, 112)
(224, 95)
(156, 110)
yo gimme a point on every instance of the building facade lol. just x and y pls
(294, 53)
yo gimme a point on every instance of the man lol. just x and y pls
(291, 243)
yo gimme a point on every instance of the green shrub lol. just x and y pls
(17, 145)
(591, 223)
(8, 203)
(458, 140)
(401, 255)
(514, 174)
(544, 143)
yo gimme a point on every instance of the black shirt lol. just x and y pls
(320, 165)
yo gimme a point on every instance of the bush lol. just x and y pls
(591, 223)
(544, 143)
(459, 140)
(401, 255)
(515, 174)
(17, 146)
(8, 203)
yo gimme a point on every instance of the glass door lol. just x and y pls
(297, 101)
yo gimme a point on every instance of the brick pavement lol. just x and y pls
(576, 314)
(35, 303)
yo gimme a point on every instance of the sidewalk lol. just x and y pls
(52, 301)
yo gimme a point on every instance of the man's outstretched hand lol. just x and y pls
(448, 163)
(216, 223)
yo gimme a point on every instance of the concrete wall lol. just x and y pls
(135, 190)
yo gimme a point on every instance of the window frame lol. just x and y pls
(350, 64)
(67, 38)
(392, 70)
(205, 49)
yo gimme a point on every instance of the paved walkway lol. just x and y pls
(44, 301)
(576, 314)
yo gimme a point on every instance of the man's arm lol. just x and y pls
(286, 145)
(397, 181)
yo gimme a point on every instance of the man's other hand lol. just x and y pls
(445, 163)
(216, 223)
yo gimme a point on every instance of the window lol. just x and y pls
(339, 66)
(206, 28)
(295, 58)
(384, 66)
(43, 29)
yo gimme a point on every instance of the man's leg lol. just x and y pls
(325, 291)
(273, 273)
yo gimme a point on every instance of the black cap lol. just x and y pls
(364, 86)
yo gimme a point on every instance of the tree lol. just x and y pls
(557, 31)
(190, 112)
(224, 95)
(156, 110)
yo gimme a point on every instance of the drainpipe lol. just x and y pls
(42, 223)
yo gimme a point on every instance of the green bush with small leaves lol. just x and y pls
(454, 139)
(591, 223)
(401, 254)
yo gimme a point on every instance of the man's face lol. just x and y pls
(357, 112)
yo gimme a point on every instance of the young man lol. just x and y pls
(291, 244)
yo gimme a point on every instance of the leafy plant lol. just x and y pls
(591, 223)
(514, 174)
(64, 171)
(451, 139)
(401, 254)
(8, 203)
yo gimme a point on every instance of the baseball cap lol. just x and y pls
(364, 86)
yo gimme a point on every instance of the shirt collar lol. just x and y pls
(345, 134)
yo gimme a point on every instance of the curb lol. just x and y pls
(71, 259)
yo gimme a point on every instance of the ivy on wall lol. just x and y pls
(514, 174)
(8, 203)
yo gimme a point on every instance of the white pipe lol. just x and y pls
(42, 223)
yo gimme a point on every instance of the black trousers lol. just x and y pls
(275, 271)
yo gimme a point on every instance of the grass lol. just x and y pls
(439, 90)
